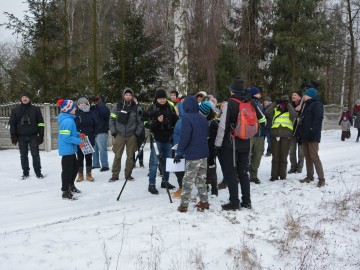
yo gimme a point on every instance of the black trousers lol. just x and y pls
(69, 166)
(24, 143)
(88, 161)
(234, 174)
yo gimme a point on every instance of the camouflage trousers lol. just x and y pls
(195, 172)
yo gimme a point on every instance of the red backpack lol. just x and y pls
(246, 125)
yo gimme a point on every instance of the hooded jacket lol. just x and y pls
(228, 120)
(102, 116)
(134, 125)
(312, 117)
(194, 132)
(68, 137)
(178, 125)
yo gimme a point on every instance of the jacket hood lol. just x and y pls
(313, 99)
(180, 108)
(63, 116)
(191, 105)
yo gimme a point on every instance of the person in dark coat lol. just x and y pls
(266, 103)
(310, 135)
(85, 123)
(162, 117)
(356, 117)
(237, 168)
(194, 145)
(27, 129)
(102, 114)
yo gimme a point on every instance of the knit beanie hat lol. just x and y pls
(160, 93)
(237, 86)
(82, 100)
(205, 107)
(26, 94)
(128, 90)
(267, 98)
(254, 91)
(66, 105)
(311, 92)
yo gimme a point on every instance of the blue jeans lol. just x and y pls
(101, 142)
(165, 151)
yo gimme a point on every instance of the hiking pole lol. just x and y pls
(160, 160)
(141, 150)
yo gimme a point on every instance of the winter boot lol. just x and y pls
(182, 209)
(73, 189)
(222, 185)
(152, 189)
(25, 175)
(170, 186)
(89, 177)
(130, 178)
(321, 183)
(141, 164)
(201, 206)
(67, 195)
(245, 205)
(291, 171)
(104, 169)
(177, 194)
(307, 180)
(255, 180)
(230, 207)
(272, 179)
(80, 177)
(113, 179)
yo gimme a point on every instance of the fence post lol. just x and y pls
(47, 122)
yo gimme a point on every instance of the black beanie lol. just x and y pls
(237, 86)
(300, 93)
(160, 93)
(26, 94)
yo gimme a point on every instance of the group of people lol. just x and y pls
(194, 128)
(348, 119)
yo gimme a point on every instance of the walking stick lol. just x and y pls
(160, 159)
(141, 150)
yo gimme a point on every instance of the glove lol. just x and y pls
(81, 145)
(13, 139)
(40, 139)
(82, 136)
(177, 159)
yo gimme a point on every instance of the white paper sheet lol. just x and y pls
(175, 167)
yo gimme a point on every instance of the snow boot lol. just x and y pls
(230, 207)
(170, 186)
(177, 194)
(80, 177)
(89, 177)
(321, 183)
(74, 189)
(130, 178)
(255, 180)
(39, 175)
(201, 206)
(307, 180)
(291, 171)
(104, 169)
(245, 205)
(182, 209)
(25, 175)
(152, 189)
(113, 179)
(272, 179)
(67, 195)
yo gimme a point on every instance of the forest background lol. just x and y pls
(71, 48)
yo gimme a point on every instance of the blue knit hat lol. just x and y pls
(205, 107)
(66, 105)
(311, 92)
(254, 91)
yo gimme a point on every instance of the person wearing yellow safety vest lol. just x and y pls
(282, 115)
(27, 129)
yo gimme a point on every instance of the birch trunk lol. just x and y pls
(181, 68)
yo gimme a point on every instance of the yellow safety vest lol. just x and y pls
(282, 120)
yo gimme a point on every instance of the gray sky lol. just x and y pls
(16, 7)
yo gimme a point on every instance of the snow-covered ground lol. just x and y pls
(291, 226)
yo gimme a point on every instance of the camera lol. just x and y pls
(25, 120)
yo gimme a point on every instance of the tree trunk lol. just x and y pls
(352, 54)
(95, 79)
(180, 48)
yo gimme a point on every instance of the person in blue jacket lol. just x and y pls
(68, 142)
(193, 144)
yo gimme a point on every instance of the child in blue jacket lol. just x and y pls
(68, 140)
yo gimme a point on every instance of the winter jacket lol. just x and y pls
(163, 131)
(26, 120)
(86, 123)
(133, 126)
(178, 125)
(102, 117)
(261, 130)
(348, 116)
(356, 113)
(281, 131)
(228, 120)
(312, 117)
(68, 137)
(194, 132)
(213, 128)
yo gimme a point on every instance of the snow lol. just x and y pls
(291, 225)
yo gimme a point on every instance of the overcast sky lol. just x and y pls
(16, 7)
